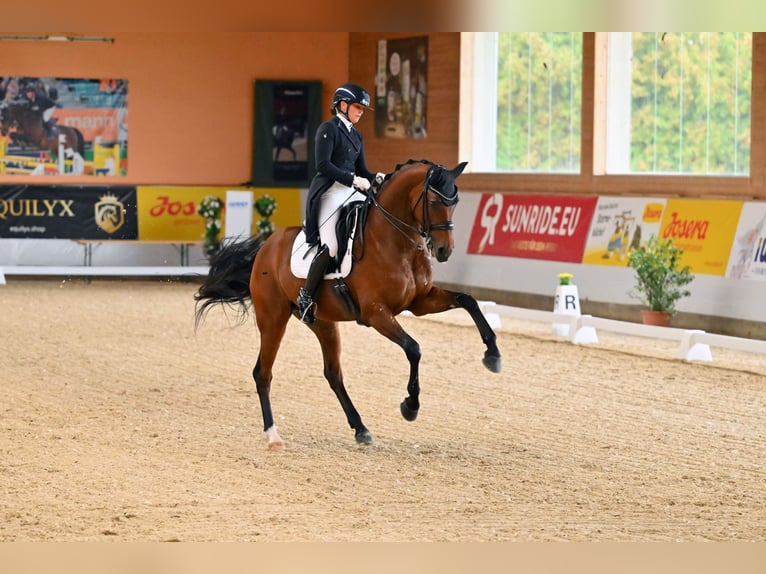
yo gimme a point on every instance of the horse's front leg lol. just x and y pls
(438, 300)
(385, 324)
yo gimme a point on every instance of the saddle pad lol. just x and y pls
(302, 256)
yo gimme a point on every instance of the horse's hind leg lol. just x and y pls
(272, 328)
(329, 341)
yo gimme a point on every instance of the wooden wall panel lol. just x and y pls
(191, 96)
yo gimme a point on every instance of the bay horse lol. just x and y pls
(29, 130)
(409, 221)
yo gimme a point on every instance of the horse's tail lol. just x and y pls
(228, 281)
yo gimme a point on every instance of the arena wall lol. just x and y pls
(191, 123)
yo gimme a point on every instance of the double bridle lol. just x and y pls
(425, 228)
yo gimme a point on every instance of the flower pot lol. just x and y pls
(661, 318)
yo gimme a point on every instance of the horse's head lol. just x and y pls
(430, 197)
(439, 198)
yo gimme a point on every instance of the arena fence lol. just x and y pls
(693, 344)
(180, 271)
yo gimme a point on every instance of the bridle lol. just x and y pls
(426, 228)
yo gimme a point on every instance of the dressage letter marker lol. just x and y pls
(567, 302)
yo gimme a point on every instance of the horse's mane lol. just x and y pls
(438, 176)
(410, 162)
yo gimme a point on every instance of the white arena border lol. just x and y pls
(182, 271)
(693, 344)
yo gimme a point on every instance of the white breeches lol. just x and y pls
(329, 209)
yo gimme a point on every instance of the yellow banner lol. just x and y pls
(704, 229)
(170, 212)
(619, 225)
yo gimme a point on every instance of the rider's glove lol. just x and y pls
(361, 183)
(379, 177)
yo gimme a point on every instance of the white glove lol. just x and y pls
(379, 177)
(361, 183)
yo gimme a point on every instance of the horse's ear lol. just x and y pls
(459, 169)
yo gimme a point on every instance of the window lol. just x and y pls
(526, 102)
(679, 103)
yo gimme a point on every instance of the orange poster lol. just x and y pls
(704, 229)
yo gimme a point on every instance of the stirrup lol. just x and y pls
(305, 307)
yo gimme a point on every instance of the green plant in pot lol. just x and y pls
(660, 278)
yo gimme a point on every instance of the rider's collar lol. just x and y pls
(346, 121)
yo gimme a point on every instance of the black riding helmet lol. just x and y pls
(353, 94)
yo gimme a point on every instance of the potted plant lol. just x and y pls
(660, 278)
(210, 209)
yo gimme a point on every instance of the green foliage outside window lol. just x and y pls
(691, 102)
(539, 101)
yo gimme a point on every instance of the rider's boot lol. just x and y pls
(307, 295)
(48, 128)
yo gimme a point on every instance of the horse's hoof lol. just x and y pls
(492, 363)
(408, 413)
(275, 441)
(364, 437)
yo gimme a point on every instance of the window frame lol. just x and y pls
(593, 179)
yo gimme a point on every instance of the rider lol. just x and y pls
(341, 167)
(42, 104)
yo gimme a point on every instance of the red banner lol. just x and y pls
(549, 227)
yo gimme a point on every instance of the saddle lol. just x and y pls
(349, 226)
(348, 229)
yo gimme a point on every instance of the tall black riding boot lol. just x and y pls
(307, 296)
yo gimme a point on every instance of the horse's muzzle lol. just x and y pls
(442, 252)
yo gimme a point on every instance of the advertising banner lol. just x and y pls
(704, 229)
(239, 215)
(170, 212)
(45, 212)
(619, 225)
(63, 126)
(548, 227)
(747, 259)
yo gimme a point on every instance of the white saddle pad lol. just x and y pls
(302, 256)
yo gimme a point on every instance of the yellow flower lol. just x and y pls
(565, 278)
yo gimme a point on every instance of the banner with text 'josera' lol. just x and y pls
(549, 227)
(704, 229)
(63, 212)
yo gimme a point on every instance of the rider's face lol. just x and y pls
(355, 112)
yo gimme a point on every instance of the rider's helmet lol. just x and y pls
(353, 94)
